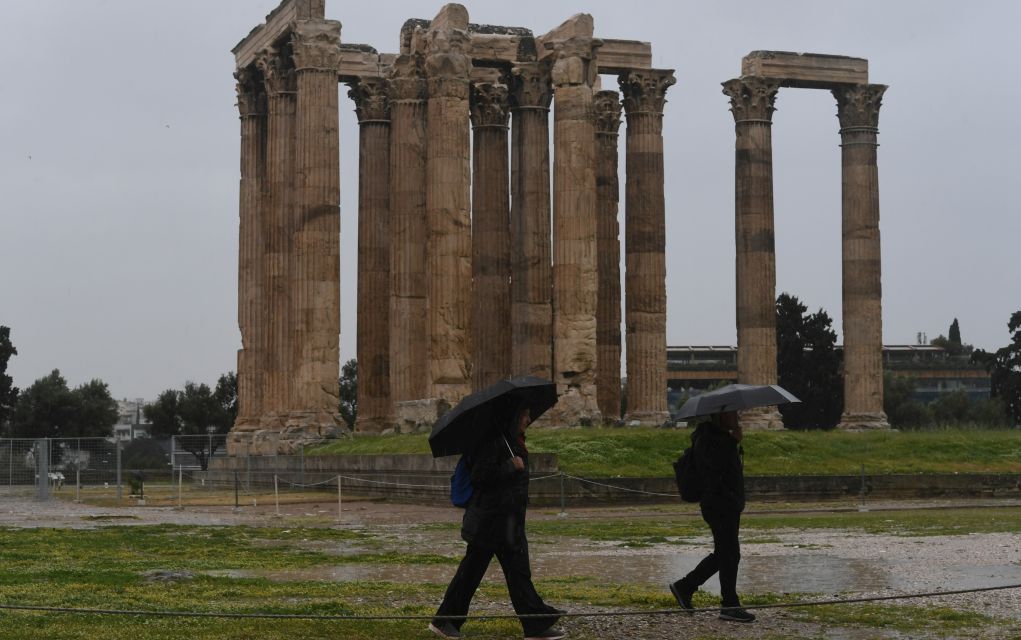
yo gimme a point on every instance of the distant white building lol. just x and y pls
(131, 422)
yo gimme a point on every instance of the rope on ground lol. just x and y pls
(494, 616)
(610, 486)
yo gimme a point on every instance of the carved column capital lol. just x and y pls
(250, 92)
(489, 105)
(372, 99)
(858, 105)
(316, 45)
(752, 98)
(447, 64)
(530, 86)
(575, 61)
(606, 109)
(277, 73)
(645, 90)
(407, 81)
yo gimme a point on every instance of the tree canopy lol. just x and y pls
(349, 392)
(193, 411)
(8, 392)
(49, 409)
(1004, 365)
(808, 365)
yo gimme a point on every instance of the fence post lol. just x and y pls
(42, 469)
(236, 480)
(10, 464)
(276, 493)
(119, 489)
(340, 500)
(563, 507)
(180, 487)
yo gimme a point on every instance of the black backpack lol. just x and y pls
(689, 483)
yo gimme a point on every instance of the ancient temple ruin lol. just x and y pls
(471, 268)
(752, 98)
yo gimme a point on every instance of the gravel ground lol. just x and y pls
(876, 564)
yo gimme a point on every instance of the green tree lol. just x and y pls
(349, 392)
(192, 415)
(1004, 365)
(45, 410)
(951, 343)
(95, 411)
(954, 335)
(226, 394)
(808, 365)
(900, 406)
(8, 392)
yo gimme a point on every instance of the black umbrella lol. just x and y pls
(735, 397)
(463, 426)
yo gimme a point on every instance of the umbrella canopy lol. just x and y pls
(463, 426)
(735, 397)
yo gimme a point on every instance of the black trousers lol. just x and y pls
(518, 574)
(725, 556)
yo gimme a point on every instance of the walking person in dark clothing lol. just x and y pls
(494, 524)
(717, 457)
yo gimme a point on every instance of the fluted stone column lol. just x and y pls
(278, 74)
(751, 102)
(606, 108)
(447, 203)
(645, 253)
(409, 337)
(252, 109)
(372, 104)
(315, 238)
(575, 278)
(858, 111)
(531, 266)
(491, 302)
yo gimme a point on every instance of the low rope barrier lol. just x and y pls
(610, 486)
(494, 616)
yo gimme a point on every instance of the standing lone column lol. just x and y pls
(372, 104)
(751, 102)
(575, 278)
(531, 268)
(409, 337)
(606, 106)
(858, 111)
(491, 303)
(280, 90)
(645, 234)
(315, 257)
(447, 196)
(252, 109)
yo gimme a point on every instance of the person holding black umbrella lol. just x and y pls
(717, 458)
(494, 524)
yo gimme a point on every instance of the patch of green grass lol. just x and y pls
(647, 452)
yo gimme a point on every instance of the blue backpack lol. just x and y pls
(461, 488)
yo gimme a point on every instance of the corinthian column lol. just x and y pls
(575, 279)
(252, 109)
(276, 232)
(447, 196)
(645, 231)
(409, 336)
(531, 270)
(858, 111)
(606, 107)
(373, 108)
(751, 102)
(491, 333)
(315, 259)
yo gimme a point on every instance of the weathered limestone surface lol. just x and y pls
(805, 70)
(491, 300)
(447, 197)
(606, 108)
(252, 109)
(645, 259)
(409, 343)
(531, 271)
(372, 104)
(751, 100)
(575, 278)
(858, 111)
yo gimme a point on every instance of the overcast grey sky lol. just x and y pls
(119, 169)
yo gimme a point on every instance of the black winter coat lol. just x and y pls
(719, 464)
(495, 515)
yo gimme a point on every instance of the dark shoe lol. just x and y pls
(444, 629)
(682, 595)
(549, 634)
(736, 614)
